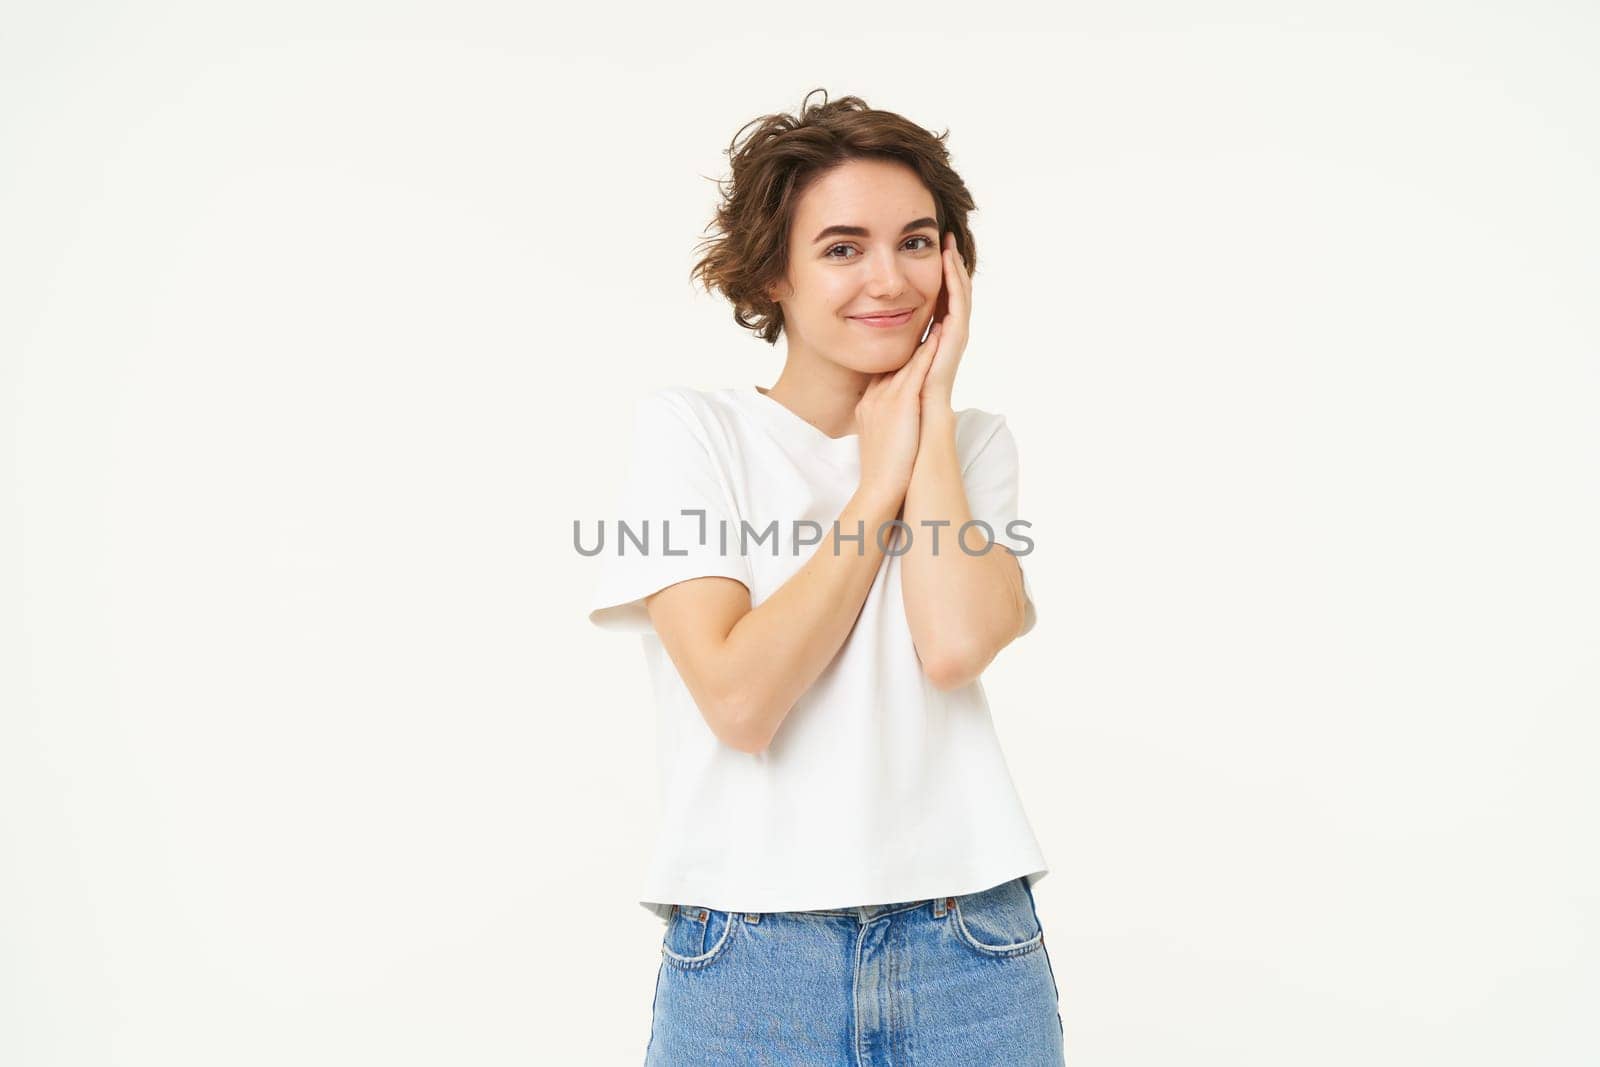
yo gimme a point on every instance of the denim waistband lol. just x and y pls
(864, 913)
(867, 912)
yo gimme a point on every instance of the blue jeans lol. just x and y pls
(961, 981)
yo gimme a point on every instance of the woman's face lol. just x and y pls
(886, 257)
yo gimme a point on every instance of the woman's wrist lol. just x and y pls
(879, 496)
(937, 406)
(938, 417)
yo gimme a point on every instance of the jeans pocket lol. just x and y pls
(998, 922)
(697, 936)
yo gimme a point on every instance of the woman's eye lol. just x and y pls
(829, 254)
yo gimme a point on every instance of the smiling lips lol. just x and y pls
(885, 321)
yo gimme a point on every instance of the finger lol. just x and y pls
(956, 283)
(930, 341)
(911, 376)
(875, 385)
(922, 356)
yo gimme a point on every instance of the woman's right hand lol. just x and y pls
(889, 415)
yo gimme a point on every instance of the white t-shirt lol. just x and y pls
(877, 788)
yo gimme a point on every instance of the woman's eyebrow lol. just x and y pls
(862, 231)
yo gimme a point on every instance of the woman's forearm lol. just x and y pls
(961, 608)
(777, 649)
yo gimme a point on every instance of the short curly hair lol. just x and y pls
(778, 162)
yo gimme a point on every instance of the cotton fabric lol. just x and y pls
(877, 786)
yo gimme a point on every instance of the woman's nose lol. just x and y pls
(887, 278)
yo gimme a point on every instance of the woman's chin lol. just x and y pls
(883, 362)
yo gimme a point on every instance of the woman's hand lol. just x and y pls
(889, 416)
(953, 315)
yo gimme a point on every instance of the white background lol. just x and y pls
(322, 323)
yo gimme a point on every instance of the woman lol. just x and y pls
(843, 864)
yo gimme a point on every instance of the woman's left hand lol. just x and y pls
(953, 310)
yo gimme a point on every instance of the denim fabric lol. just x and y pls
(959, 981)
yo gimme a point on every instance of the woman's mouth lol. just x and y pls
(885, 321)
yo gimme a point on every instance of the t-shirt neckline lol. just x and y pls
(797, 429)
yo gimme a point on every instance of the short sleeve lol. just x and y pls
(648, 542)
(991, 481)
